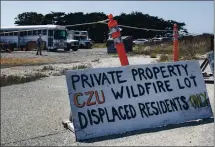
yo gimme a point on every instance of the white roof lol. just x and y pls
(142, 39)
(32, 27)
(80, 31)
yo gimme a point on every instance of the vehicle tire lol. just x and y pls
(90, 46)
(67, 49)
(53, 50)
(75, 48)
(81, 46)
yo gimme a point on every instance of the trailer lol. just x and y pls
(82, 37)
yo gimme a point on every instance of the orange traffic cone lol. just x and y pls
(115, 32)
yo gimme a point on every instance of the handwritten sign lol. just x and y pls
(210, 57)
(108, 101)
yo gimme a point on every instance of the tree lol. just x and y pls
(29, 18)
(99, 32)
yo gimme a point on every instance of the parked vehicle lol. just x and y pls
(166, 39)
(127, 41)
(140, 41)
(7, 46)
(55, 36)
(82, 37)
(71, 42)
(156, 39)
(161, 39)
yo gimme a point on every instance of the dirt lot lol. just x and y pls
(32, 112)
(82, 55)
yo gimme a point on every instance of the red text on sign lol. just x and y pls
(89, 102)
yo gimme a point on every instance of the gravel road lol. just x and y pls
(32, 113)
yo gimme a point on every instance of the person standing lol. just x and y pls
(39, 44)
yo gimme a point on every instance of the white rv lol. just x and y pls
(82, 37)
(71, 41)
(55, 36)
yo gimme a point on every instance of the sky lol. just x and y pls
(198, 15)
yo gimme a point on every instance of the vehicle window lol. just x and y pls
(44, 32)
(83, 33)
(34, 32)
(83, 37)
(25, 33)
(21, 34)
(60, 34)
(76, 37)
(11, 34)
(6, 33)
(2, 34)
(50, 41)
(39, 32)
(29, 32)
(15, 33)
(50, 33)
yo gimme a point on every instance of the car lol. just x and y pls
(167, 39)
(140, 41)
(156, 39)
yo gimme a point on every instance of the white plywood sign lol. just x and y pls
(210, 57)
(108, 101)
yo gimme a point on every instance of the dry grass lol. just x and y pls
(80, 67)
(48, 67)
(165, 58)
(189, 48)
(75, 68)
(19, 79)
(62, 72)
(24, 61)
(152, 50)
(113, 54)
(96, 60)
(99, 45)
(16, 79)
(153, 55)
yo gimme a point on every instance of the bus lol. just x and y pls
(82, 37)
(55, 36)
